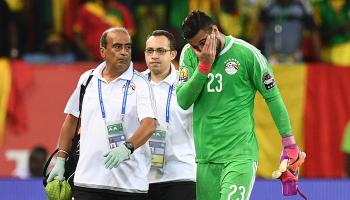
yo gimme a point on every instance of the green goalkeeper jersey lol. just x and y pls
(223, 101)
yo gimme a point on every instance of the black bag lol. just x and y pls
(72, 160)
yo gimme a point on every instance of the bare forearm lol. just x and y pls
(144, 132)
(67, 134)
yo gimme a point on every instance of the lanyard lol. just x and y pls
(167, 108)
(124, 99)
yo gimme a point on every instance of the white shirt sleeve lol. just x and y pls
(145, 100)
(72, 106)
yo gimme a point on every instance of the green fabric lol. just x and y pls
(333, 22)
(223, 113)
(279, 114)
(57, 190)
(178, 11)
(231, 180)
(346, 139)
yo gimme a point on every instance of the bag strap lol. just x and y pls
(81, 97)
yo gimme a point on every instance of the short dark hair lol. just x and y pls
(194, 22)
(167, 34)
(103, 40)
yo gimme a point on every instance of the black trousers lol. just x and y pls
(184, 190)
(81, 193)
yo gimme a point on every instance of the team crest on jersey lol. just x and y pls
(268, 80)
(183, 75)
(231, 66)
(132, 88)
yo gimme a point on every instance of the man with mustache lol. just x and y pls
(117, 118)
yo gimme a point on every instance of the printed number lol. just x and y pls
(234, 190)
(218, 77)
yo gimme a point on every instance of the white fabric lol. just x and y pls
(130, 175)
(180, 155)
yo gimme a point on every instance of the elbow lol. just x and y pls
(182, 102)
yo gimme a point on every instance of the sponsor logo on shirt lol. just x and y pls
(183, 75)
(132, 88)
(231, 66)
(268, 80)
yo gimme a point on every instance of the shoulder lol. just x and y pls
(245, 47)
(83, 78)
(251, 53)
(186, 53)
(140, 78)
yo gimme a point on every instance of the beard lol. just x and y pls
(218, 47)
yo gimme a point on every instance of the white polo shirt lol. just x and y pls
(130, 175)
(180, 155)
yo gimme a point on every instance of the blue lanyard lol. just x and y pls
(167, 110)
(101, 100)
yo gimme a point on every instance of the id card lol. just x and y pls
(157, 145)
(115, 133)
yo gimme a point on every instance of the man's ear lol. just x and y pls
(102, 52)
(215, 29)
(173, 54)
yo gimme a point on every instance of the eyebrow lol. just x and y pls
(129, 43)
(204, 39)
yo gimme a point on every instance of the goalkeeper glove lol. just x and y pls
(291, 159)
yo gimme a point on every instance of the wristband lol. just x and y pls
(204, 67)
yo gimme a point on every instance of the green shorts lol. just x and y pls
(225, 181)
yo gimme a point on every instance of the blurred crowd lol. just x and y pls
(286, 31)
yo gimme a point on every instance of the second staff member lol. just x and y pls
(173, 170)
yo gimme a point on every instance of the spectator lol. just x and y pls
(8, 32)
(37, 159)
(55, 50)
(280, 29)
(334, 20)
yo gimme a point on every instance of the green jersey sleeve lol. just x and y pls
(261, 75)
(191, 81)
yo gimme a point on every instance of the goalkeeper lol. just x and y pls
(220, 75)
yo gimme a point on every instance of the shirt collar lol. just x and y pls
(127, 75)
(170, 79)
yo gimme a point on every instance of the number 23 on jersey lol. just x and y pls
(215, 82)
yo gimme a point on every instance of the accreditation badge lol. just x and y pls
(157, 145)
(115, 133)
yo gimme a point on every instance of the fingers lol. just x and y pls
(212, 46)
(282, 168)
(51, 176)
(109, 161)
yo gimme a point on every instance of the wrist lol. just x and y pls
(62, 153)
(204, 67)
(288, 141)
(60, 161)
(130, 146)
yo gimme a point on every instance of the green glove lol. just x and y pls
(117, 155)
(58, 170)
